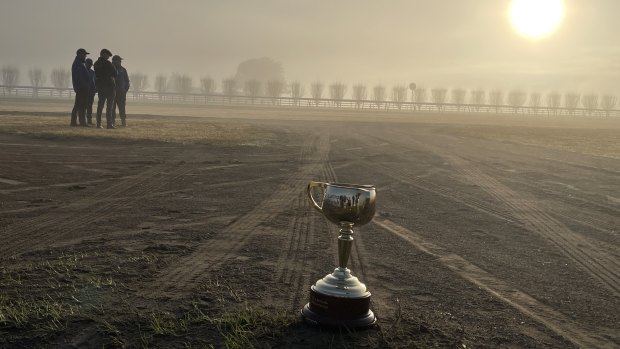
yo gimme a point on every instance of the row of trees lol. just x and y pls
(60, 78)
(378, 95)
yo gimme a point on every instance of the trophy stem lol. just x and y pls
(345, 241)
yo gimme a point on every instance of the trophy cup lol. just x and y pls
(340, 299)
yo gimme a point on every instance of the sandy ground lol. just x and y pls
(191, 228)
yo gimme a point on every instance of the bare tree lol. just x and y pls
(608, 103)
(553, 101)
(496, 98)
(181, 83)
(161, 84)
(337, 91)
(477, 98)
(60, 78)
(37, 79)
(439, 97)
(275, 88)
(590, 103)
(297, 91)
(229, 86)
(252, 89)
(458, 97)
(571, 101)
(10, 77)
(316, 91)
(420, 96)
(207, 85)
(399, 95)
(139, 83)
(359, 94)
(516, 99)
(535, 101)
(378, 95)
(412, 87)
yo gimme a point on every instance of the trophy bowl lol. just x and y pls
(345, 203)
(339, 299)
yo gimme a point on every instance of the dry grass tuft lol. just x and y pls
(182, 130)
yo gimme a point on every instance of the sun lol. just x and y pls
(536, 18)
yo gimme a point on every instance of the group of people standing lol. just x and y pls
(109, 80)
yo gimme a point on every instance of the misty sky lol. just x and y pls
(447, 43)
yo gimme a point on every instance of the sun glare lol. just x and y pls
(536, 18)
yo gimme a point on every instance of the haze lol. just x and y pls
(447, 43)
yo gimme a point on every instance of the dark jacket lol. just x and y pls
(79, 75)
(91, 81)
(105, 74)
(122, 80)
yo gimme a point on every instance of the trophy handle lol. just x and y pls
(312, 185)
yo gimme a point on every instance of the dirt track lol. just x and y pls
(477, 241)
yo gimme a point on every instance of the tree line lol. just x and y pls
(378, 95)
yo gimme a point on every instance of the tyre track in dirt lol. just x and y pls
(301, 258)
(57, 224)
(597, 223)
(182, 275)
(424, 142)
(582, 335)
(534, 159)
(128, 233)
(593, 259)
(590, 222)
(292, 265)
(520, 300)
(590, 257)
(405, 176)
(63, 185)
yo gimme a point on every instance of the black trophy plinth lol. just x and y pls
(338, 312)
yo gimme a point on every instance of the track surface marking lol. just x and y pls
(578, 334)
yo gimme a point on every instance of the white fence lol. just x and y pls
(220, 99)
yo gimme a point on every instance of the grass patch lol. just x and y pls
(249, 327)
(244, 328)
(19, 313)
(171, 130)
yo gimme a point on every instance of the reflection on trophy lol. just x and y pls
(340, 299)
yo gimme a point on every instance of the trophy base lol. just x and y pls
(338, 312)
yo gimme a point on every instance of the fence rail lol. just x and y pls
(325, 103)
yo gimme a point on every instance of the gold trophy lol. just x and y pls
(340, 299)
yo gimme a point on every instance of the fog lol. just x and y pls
(447, 43)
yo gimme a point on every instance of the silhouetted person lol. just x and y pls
(105, 79)
(91, 92)
(122, 86)
(79, 76)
